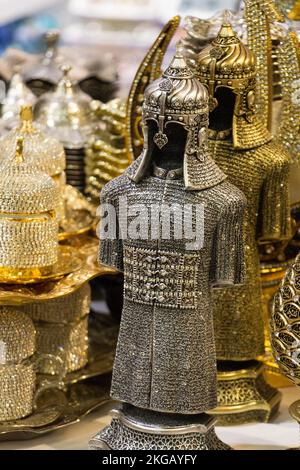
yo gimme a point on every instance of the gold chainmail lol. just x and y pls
(262, 174)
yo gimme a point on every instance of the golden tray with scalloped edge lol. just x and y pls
(83, 248)
(68, 262)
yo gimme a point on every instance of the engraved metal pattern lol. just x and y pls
(169, 279)
(118, 436)
(184, 103)
(17, 336)
(244, 396)
(165, 356)
(262, 175)
(234, 69)
(285, 324)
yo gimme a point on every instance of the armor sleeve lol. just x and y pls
(111, 243)
(227, 265)
(274, 218)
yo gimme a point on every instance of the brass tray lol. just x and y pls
(68, 262)
(102, 345)
(57, 409)
(84, 248)
(80, 215)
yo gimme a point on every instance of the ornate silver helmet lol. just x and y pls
(178, 97)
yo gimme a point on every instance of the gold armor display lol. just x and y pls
(258, 165)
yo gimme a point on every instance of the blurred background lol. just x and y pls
(116, 32)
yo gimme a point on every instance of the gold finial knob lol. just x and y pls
(226, 30)
(179, 48)
(52, 37)
(19, 150)
(65, 70)
(26, 113)
(26, 116)
(227, 17)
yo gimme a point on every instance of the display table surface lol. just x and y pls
(281, 434)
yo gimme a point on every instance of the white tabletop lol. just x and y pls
(281, 434)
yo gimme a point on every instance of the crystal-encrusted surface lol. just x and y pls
(40, 150)
(17, 336)
(17, 386)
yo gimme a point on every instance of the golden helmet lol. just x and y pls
(229, 63)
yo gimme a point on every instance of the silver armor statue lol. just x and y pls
(165, 365)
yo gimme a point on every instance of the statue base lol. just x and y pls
(244, 396)
(294, 411)
(134, 428)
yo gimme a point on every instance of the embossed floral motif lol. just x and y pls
(160, 139)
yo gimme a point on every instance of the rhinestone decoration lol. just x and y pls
(69, 342)
(17, 335)
(289, 63)
(17, 387)
(17, 377)
(169, 279)
(62, 329)
(121, 437)
(28, 225)
(39, 149)
(165, 357)
(262, 174)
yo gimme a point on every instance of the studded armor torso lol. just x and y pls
(165, 357)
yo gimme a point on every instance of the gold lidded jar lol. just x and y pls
(39, 149)
(17, 370)
(28, 220)
(61, 329)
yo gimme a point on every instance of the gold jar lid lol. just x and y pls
(39, 148)
(66, 112)
(17, 336)
(23, 188)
